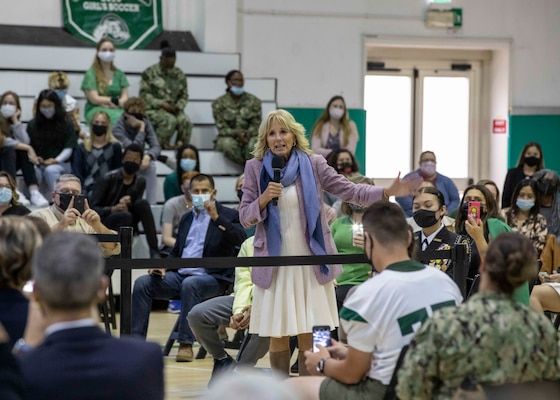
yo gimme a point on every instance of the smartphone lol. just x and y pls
(322, 336)
(79, 203)
(474, 209)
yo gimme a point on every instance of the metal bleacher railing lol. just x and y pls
(126, 264)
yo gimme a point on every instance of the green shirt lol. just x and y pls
(52, 150)
(160, 85)
(352, 274)
(114, 89)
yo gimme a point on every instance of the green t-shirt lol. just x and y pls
(352, 274)
(114, 89)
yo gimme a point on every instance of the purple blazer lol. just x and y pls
(326, 178)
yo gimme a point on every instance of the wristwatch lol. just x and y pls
(21, 347)
(321, 365)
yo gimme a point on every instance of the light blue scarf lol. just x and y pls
(298, 165)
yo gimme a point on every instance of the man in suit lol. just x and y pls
(77, 360)
(210, 230)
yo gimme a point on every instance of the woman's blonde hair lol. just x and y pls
(108, 136)
(102, 84)
(18, 241)
(57, 79)
(325, 117)
(287, 121)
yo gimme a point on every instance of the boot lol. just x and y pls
(301, 364)
(280, 364)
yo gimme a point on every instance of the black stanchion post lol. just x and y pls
(126, 281)
(459, 255)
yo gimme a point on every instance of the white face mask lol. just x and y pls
(8, 110)
(199, 199)
(336, 112)
(107, 56)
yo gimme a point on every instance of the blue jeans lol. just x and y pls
(192, 289)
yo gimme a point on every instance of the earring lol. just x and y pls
(294, 145)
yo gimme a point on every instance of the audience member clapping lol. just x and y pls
(491, 339)
(105, 86)
(97, 155)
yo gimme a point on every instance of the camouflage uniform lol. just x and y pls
(490, 337)
(159, 85)
(233, 116)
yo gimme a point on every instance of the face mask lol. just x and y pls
(425, 218)
(5, 196)
(199, 199)
(371, 255)
(238, 91)
(428, 168)
(546, 187)
(99, 130)
(344, 168)
(8, 110)
(130, 167)
(239, 194)
(65, 199)
(356, 209)
(107, 56)
(524, 204)
(61, 93)
(187, 164)
(48, 112)
(336, 112)
(531, 161)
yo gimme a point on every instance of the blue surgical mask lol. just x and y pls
(199, 199)
(238, 91)
(187, 164)
(524, 204)
(5, 196)
(61, 93)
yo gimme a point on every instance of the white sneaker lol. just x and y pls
(37, 199)
(22, 199)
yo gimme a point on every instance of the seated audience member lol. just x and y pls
(493, 189)
(210, 230)
(62, 216)
(233, 311)
(134, 127)
(444, 184)
(447, 221)
(345, 164)
(17, 138)
(77, 360)
(531, 160)
(490, 339)
(429, 210)
(523, 216)
(164, 89)
(118, 201)
(546, 296)
(9, 197)
(238, 116)
(11, 382)
(348, 238)
(97, 154)
(334, 129)
(105, 86)
(18, 241)
(173, 211)
(187, 160)
(548, 185)
(53, 138)
(59, 82)
(407, 292)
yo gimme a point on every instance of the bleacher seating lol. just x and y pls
(26, 68)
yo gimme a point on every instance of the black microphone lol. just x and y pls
(277, 165)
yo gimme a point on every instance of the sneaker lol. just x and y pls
(185, 353)
(37, 199)
(221, 367)
(22, 199)
(174, 306)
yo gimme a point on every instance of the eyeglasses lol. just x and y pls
(68, 191)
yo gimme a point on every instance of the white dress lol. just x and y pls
(295, 301)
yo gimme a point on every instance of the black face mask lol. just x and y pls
(546, 187)
(99, 130)
(130, 167)
(531, 161)
(344, 167)
(356, 209)
(239, 194)
(425, 218)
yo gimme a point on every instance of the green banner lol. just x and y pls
(130, 24)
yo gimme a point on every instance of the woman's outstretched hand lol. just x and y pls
(404, 187)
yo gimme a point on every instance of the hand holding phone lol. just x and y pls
(474, 210)
(322, 336)
(79, 203)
